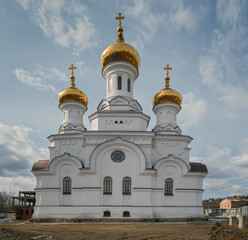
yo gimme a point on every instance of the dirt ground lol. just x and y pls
(144, 231)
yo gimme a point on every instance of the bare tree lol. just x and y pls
(6, 199)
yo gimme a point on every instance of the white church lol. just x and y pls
(118, 169)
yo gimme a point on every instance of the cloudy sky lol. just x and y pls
(205, 42)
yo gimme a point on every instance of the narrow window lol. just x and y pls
(107, 214)
(168, 187)
(119, 82)
(107, 185)
(126, 186)
(128, 85)
(27, 212)
(126, 214)
(67, 185)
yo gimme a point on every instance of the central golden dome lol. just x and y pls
(167, 94)
(72, 93)
(120, 51)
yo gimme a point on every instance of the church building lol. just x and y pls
(118, 169)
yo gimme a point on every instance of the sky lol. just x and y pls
(205, 43)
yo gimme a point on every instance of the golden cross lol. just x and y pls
(167, 68)
(119, 18)
(71, 68)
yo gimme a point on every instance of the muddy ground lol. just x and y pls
(175, 231)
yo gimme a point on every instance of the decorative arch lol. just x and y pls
(172, 160)
(102, 148)
(65, 158)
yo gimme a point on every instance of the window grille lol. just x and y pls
(168, 187)
(67, 185)
(107, 185)
(126, 186)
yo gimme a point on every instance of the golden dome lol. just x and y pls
(72, 93)
(120, 51)
(167, 94)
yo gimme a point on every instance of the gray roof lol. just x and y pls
(198, 167)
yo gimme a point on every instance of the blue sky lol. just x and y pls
(205, 42)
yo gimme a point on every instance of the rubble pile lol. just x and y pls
(10, 234)
(224, 232)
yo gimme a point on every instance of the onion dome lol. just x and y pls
(120, 51)
(72, 93)
(167, 94)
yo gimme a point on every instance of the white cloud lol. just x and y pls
(68, 26)
(224, 65)
(18, 153)
(183, 17)
(39, 78)
(228, 12)
(194, 110)
(147, 21)
(16, 139)
(242, 159)
(18, 183)
(227, 172)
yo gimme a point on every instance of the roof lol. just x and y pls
(40, 165)
(198, 167)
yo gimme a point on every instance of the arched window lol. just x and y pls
(128, 85)
(107, 214)
(126, 186)
(168, 186)
(119, 83)
(67, 185)
(126, 214)
(107, 185)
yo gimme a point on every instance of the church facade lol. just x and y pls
(119, 169)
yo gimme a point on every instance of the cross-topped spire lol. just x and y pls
(119, 18)
(72, 68)
(167, 68)
(72, 75)
(167, 78)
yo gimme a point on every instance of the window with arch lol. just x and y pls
(126, 214)
(107, 214)
(168, 187)
(67, 185)
(107, 185)
(119, 83)
(126, 186)
(128, 85)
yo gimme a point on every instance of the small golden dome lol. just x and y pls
(167, 94)
(120, 51)
(72, 93)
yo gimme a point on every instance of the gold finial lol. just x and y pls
(72, 75)
(119, 18)
(167, 78)
(120, 29)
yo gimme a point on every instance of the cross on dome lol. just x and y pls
(119, 18)
(167, 68)
(167, 78)
(72, 76)
(72, 68)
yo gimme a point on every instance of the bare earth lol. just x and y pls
(26, 230)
